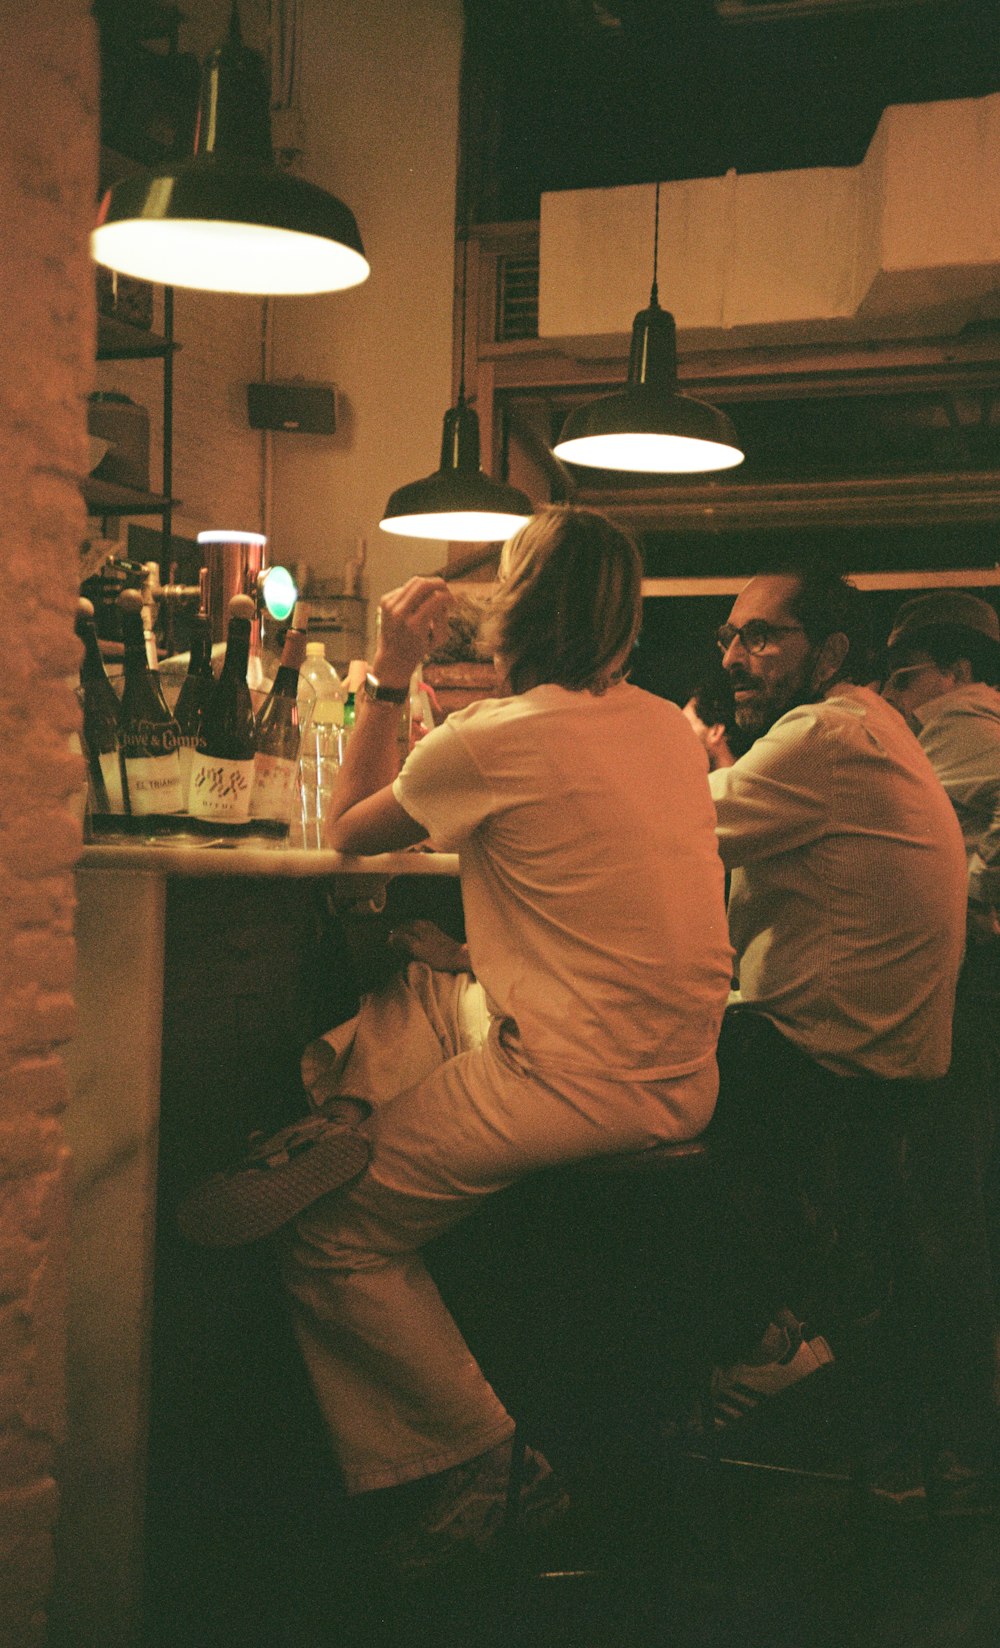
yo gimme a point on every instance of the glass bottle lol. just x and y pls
(321, 709)
(277, 754)
(222, 769)
(189, 710)
(319, 683)
(150, 762)
(101, 711)
(357, 670)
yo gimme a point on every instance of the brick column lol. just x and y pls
(48, 138)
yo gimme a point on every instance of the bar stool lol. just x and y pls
(592, 1296)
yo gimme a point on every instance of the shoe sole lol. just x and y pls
(259, 1196)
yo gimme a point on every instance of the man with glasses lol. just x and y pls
(846, 913)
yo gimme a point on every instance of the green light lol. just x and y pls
(279, 592)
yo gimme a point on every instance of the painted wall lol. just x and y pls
(380, 108)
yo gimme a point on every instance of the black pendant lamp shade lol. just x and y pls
(229, 220)
(650, 427)
(458, 503)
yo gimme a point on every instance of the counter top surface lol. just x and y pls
(239, 858)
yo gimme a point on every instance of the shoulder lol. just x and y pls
(976, 704)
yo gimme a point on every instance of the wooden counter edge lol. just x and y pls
(243, 859)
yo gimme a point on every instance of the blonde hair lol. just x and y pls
(569, 602)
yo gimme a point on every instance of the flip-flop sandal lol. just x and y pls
(277, 1178)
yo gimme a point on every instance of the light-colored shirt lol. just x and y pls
(591, 879)
(960, 732)
(847, 899)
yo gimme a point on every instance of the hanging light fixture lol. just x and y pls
(650, 426)
(228, 219)
(458, 503)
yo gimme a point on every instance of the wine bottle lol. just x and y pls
(150, 763)
(277, 755)
(100, 724)
(192, 698)
(222, 770)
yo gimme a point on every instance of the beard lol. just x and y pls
(766, 702)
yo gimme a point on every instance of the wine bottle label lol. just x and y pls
(111, 772)
(273, 788)
(141, 739)
(188, 745)
(220, 790)
(154, 784)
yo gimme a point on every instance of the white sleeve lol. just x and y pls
(442, 787)
(776, 797)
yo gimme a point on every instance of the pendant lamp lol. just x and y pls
(458, 503)
(650, 427)
(228, 219)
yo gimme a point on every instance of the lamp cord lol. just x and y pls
(461, 356)
(654, 295)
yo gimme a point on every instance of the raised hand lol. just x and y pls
(408, 619)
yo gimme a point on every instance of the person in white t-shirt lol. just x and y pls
(596, 929)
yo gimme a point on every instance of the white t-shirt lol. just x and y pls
(591, 880)
(847, 901)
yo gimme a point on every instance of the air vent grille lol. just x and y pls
(517, 298)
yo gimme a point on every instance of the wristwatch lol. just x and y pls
(384, 695)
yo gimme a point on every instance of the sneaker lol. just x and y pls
(467, 1511)
(277, 1178)
(783, 1358)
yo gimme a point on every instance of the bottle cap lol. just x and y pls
(315, 649)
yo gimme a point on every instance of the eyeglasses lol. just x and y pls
(755, 636)
(895, 679)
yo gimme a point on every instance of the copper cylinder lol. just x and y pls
(233, 564)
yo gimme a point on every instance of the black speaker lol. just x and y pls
(297, 408)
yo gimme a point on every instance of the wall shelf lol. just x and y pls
(119, 340)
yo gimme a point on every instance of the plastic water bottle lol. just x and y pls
(321, 721)
(318, 683)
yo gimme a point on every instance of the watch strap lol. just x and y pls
(384, 695)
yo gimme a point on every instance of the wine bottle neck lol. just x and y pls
(91, 664)
(134, 636)
(237, 660)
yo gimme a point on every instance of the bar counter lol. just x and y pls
(202, 971)
(243, 858)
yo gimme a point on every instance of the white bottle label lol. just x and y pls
(220, 790)
(154, 784)
(111, 772)
(273, 788)
(186, 754)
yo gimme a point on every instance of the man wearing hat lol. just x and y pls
(943, 655)
(944, 666)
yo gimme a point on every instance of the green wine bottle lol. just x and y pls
(150, 763)
(99, 733)
(277, 757)
(222, 770)
(192, 698)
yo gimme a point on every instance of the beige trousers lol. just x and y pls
(455, 1117)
